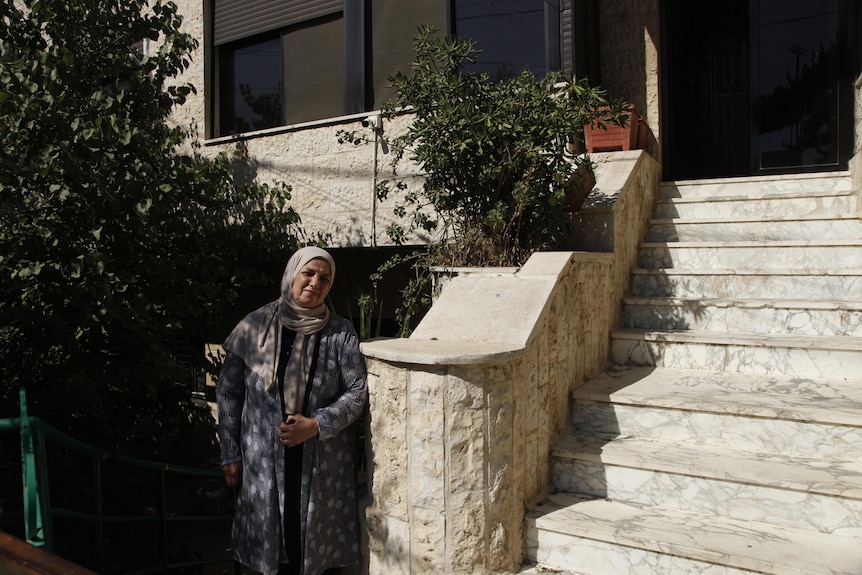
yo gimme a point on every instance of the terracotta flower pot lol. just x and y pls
(615, 138)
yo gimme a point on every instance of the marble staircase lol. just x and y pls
(727, 437)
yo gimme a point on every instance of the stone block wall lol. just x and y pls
(332, 183)
(463, 413)
(629, 32)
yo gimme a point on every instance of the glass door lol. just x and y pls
(758, 86)
(798, 52)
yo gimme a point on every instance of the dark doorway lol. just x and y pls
(757, 86)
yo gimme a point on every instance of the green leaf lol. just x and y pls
(114, 238)
(77, 267)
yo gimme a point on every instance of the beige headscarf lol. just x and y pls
(256, 339)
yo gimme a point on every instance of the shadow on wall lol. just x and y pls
(630, 42)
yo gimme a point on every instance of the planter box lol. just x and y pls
(615, 138)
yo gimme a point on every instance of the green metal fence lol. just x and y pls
(158, 488)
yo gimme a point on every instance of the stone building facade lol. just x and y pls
(461, 421)
(332, 182)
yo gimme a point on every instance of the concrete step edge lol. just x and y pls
(741, 338)
(824, 400)
(687, 221)
(790, 473)
(708, 538)
(752, 303)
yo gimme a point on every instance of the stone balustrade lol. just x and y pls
(463, 413)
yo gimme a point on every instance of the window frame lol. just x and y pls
(553, 32)
(562, 18)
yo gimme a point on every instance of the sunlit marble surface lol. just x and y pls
(737, 447)
(804, 203)
(811, 317)
(609, 537)
(755, 228)
(810, 283)
(809, 356)
(813, 184)
(736, 484)
(841, 254)
(774, 400)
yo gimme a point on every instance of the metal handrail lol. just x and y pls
(39, 513)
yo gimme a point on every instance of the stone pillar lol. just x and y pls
(445, 495)
(462, 415)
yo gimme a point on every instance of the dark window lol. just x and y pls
(314, 71)
(276, 63)
(250, 86)
(295, 61)
(513, 35)
(798, 57)
(394, 24)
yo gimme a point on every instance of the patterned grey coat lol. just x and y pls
(249, 417)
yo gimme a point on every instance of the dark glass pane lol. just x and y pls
(314, 71)
(251, 87)
(394, 24)
(799, 69)
(510, 34)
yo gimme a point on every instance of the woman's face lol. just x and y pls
(312, 283)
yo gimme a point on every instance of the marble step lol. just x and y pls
(839, 318)
(533, 568)
(813, 183)
(808, 417)
(786, 205)
(796, 492)
(606, 537)
(788, 354)
(836, 227)
(840, 254)
(812, 284)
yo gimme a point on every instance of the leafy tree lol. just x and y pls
(495, 153)
(116, 239)
(496, 159)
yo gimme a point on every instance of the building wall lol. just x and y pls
(629, 32)
(331, 182)
(463, 413)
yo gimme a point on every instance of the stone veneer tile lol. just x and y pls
(388, 543)
(388, 430)
(465, 527)
(426, 441)
(466, 451)
(428, 552)
(464, 389)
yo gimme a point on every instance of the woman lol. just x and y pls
(291, 386)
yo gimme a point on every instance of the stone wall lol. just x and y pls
(629, 32)
(856, 161)
(464, 412)
(332, 182)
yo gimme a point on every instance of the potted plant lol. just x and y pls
(628, 135)
(498, 169)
